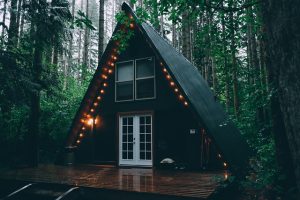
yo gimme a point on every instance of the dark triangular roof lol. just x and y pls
(202, 103)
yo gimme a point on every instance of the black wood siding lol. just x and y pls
(171, 120)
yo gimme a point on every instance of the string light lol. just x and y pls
(104, 76)
(98, 97)
(82, 120)
(104, 84)
(226, 176)
(90, 121)
(95, 104)
(186, 103)
(168, 76)
(83, 128)
(110, 71)
(161, 64)
(78, 141)
(225, 164)
(130, 17)
(172, 83)
(92, 110)
(131, 25)
(81, 135)
(114, 57)
(165, 70)
(180, 96)
(105, 69)
(219, 155)
(176, 90)
(102, 91)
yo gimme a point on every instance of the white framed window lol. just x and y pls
(145, 78)
(135, 80)
(124, 77)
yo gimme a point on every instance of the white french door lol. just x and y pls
(135, 140)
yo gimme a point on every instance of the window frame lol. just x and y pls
(116, 81)
(144, 78)
(135, 79)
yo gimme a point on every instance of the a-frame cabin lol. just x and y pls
(150, 103)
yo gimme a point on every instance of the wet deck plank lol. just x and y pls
(164, 182)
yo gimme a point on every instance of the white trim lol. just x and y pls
(136, 142)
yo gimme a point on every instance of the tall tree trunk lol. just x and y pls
(233, 61)
(67, 67)
(161, 25)
(3, 21)
(13, 26)
(20, 2)
(174, 36)
(186, 35)
(101, 31)
(21, 23)
(281, 20)
(85, 58)
(225, 62)
(34, 116)
(80, 37)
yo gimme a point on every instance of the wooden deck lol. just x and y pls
(148, 181)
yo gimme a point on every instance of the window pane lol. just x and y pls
(125, 71)
(145, 88)
(124, 90)
(144, 68)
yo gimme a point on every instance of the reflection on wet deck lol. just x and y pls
(166, 182)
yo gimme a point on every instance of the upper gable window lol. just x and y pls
(144, 79)
(135, 80)
(124, 81)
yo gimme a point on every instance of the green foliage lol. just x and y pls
(124, 33)
(82, 20)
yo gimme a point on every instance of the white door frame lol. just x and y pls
(135, 160)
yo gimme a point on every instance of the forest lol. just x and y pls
(247, 50)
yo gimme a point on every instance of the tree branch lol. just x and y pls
(228, 9)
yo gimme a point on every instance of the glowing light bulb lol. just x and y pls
(82, 120)
(81, 135)
(90, 121)
(161, 64)
(83, 128)
(92, 110)
(105, 84)
(168, 76)
(165, 70)
(225, 164)
(176, 90)
(95, 104)
(110, 71)
(78, 141)
(98, 97)
(114, 57)
(102, 91)
(186, 103)
(130, 17)
(131, 25)
(226, 176)
(104, 76)
(172, 83)
(219, 155)
(180, 96)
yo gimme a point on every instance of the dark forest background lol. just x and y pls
(247, 50)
